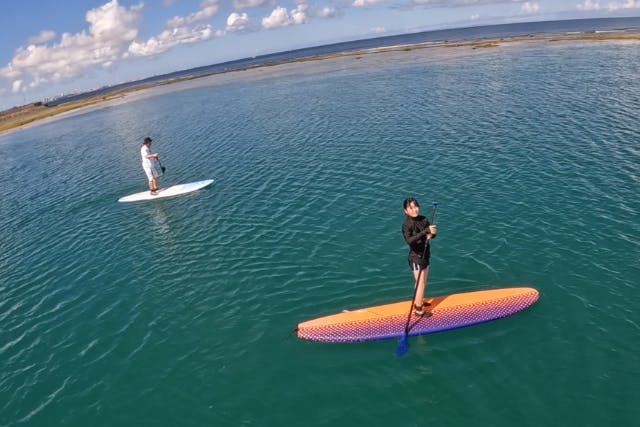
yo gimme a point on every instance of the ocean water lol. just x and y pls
(519, 29)
(180, 312)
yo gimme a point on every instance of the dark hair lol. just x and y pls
(147, 139)
(408, 201)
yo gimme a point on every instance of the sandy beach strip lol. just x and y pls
(19, 117)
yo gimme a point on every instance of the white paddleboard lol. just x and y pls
(174, 190)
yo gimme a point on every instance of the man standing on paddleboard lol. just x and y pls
(149, 162)
(417, 232)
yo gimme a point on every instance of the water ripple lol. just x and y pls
(106, 306)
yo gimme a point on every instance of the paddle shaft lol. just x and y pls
(162, 168)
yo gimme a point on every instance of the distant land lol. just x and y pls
(607, 29)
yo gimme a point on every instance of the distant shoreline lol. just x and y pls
(19, 117)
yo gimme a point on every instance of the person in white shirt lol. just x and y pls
(149, 164)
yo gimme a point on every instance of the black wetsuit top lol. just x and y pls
(415, 231)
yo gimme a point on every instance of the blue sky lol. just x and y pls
(49, 47)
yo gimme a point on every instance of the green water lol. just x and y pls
(180, 312)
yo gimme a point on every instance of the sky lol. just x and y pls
(49, 48)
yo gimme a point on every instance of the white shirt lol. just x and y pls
(144, 152)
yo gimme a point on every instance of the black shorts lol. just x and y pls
(416, 264)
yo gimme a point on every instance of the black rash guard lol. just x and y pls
(415, 231)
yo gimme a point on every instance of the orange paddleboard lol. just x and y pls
(447, 312)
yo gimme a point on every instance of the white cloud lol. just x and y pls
(171, 38)
(237, 22)
(360, 3)
(459, 3)
(178, 31)
(280, 17)
(326, 12)
(112, 22)
(474, 17)
(43, 37)
(529, 8)
(589, 5)
(16, 86)
(299, 14)
(208, 8)
(111, 28)
(242, 4)
(378, 30)
(628, 4)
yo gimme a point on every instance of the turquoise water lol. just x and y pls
(180, 312)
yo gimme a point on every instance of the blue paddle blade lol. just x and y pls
(403, 346)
